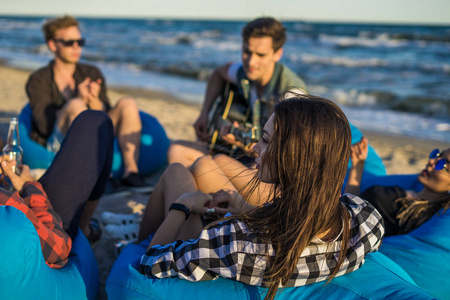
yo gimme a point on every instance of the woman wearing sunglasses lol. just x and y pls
(304, 233)
(404, 210)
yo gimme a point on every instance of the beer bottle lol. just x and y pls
(12, 151)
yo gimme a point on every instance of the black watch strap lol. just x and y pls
(181, 207)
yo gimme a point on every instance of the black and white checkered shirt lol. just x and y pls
(230, 250)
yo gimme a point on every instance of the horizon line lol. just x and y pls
(230, 19)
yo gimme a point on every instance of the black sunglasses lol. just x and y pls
(69, 43)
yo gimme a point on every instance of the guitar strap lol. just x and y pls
(270, 92)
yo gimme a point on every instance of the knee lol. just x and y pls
(88, 120)
(174, 169)
(220, 159)
(174, 149)
(203, 163)
(128, 104)
(75, 106)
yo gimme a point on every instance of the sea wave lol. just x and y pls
(183, 70)
(380, 40)
(421, 37)
(227, 45)
(425, 105)
(399, 123)
(389, 40)
(181, 38)
(340, 61)
(9, 24)
(350, 62)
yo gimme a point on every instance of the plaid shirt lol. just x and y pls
(33, 202)
(230, 250)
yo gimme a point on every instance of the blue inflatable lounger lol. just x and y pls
(410, 266)
(424, 253)
(381, 277)
(153, 150)
(24, 273)
(378, 278)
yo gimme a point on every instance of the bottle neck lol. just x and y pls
(13, 133)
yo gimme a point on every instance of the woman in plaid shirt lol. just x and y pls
(303, 233)
(76, 178)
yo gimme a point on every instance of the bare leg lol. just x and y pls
(240, 176)
(209, 176)
(68, 113)
(185, 152)
(175, 181)
(88, 212)
(128, 130)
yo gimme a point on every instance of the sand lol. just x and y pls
(401, 155)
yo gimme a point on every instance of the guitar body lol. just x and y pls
(229, 109)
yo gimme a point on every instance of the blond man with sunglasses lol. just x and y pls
(59, 92)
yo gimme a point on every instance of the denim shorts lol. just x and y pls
(55, 140)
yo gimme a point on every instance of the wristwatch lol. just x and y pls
(181, 207)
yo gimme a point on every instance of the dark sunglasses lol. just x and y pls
(441, 163)
(69, 43)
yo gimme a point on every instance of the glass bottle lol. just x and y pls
(12, 151)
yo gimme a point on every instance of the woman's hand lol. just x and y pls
(225, 201)
(358, 157)
(17, 181)
(359, 152)
(197, 202)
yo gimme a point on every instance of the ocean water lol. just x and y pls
(393, 79)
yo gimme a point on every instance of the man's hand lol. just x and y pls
(83, 90)
(228, 137)
(200, 127)
(214, 88)
(89, 91)
(94, 92)
(17, 181)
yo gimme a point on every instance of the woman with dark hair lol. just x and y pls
(303, 233)
(404, 210)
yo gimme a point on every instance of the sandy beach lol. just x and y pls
(401, 155)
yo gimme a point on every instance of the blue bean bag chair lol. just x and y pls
(24, 273)
(410, 266)
(374, 164)
(153, 150)
(424, 253)
(407, 182)
(378, 278)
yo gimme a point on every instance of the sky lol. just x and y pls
(367, 11)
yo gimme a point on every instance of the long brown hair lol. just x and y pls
(308, 153)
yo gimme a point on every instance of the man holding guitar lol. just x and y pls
(258, 79)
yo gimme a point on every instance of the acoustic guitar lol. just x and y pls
(232, 110)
